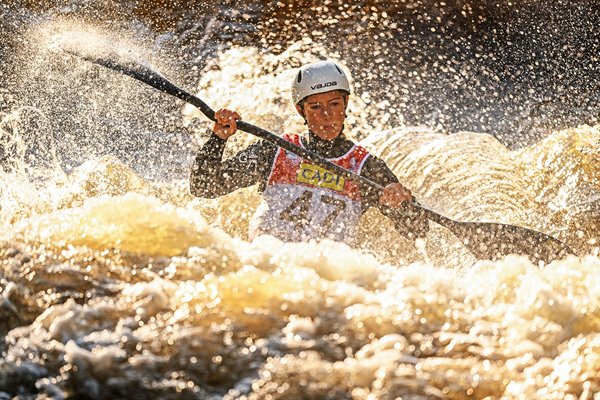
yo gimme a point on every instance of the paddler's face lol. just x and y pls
(325, 113)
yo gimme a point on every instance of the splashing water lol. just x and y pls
(117, 283)
(86, 44)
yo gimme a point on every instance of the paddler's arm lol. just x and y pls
(390, 203)
(212, 177)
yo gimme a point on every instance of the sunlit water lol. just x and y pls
(117, 283)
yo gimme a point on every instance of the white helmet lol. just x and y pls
(319, 77)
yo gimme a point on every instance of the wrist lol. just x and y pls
(215, 136)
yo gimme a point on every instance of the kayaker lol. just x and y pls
(302, 201)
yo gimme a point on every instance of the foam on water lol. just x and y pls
(300, 320)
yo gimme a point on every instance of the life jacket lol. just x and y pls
(303, 201)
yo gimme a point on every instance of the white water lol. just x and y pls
(116, 284)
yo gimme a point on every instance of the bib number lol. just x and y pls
(297, 212)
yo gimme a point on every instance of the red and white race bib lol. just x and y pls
(303, 201)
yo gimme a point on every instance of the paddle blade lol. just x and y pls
(101, 50)
(491, 241)
(486, 241)
(139, 71)
(123, 59)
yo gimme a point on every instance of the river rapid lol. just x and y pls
(115, 282)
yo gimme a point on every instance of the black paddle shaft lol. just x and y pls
(486, 240)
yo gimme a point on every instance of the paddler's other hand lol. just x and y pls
(226, 124)
(394, 195)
